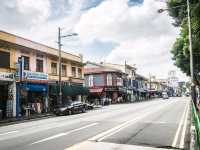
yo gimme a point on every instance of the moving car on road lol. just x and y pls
(71, 107)
(165, 95)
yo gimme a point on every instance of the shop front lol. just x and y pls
(96, 95)
(7, 95)
(70, 91)
(123, 93)
(32, 94)
(111, 94)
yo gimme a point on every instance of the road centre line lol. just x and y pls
(10, 132)
(63, 134)
(179, 127)
(120, 127)
(182, 142)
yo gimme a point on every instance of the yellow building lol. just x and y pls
(38, 76)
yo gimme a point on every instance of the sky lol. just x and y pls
(108, 30)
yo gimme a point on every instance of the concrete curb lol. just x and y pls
(193, 145)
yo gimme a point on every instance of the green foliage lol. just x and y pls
(180, 49)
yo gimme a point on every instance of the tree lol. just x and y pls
(180, 49)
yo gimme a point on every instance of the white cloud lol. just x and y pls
(144, 36)
(38, 10)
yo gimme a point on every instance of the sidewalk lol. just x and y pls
(11, 121)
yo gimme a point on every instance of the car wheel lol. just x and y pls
(69, 112)
(83, 110)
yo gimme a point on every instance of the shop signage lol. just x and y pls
(110, 89)
(121, 89)
(97, 90)
(29, 75)
(6, 76)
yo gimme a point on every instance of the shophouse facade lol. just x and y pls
(31, 69)
(7, 82)
(130, 70)
(142, 90)
(157, 86)
(106, 84)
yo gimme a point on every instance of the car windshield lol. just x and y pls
(68, 103)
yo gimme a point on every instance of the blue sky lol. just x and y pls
(109, 30)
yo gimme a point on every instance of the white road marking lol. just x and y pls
(156, 122)
(182, 142)
(10, 132)
(63, 134)
(179, 127)
(120, 127)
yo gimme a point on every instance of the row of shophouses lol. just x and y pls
(29, 79)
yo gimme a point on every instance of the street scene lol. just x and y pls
(154, 124)
(99, 74)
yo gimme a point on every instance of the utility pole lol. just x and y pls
(150, 85)
(60, 64)
(193, 95)
(60, 84)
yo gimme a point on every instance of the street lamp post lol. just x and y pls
(60, 57)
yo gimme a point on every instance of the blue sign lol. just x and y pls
(35, 75)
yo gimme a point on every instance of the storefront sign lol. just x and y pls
(29, 75)
(6, 76)
(110, 89)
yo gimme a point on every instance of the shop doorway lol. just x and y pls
(34, 100)
(3, 100)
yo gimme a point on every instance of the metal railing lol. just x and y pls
(197, 125)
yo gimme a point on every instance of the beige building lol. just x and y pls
(38, 76)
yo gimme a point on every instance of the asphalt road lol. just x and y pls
(145, 125)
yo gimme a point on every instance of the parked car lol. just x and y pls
(70, 107)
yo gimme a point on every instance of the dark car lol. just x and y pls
(71, 107)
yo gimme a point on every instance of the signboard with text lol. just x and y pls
(29, 75)
(6, 76)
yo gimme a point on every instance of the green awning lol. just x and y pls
(74, 90)
(68, 90)
(53, 89)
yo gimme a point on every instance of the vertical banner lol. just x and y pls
(20, 68)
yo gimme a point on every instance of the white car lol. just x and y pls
(165, 96)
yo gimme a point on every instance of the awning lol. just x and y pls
(96, 90)
(73, 90)
(69, 90)
(35, 87)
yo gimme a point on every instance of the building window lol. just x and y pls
(39, 65)
(26, 63)
(79, 72)
(5, 59)
(91, 80)
(119, 81)
(64, 70)
(109, 79)
(54, 68)
(74, 71)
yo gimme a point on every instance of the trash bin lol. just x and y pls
(1, 115)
